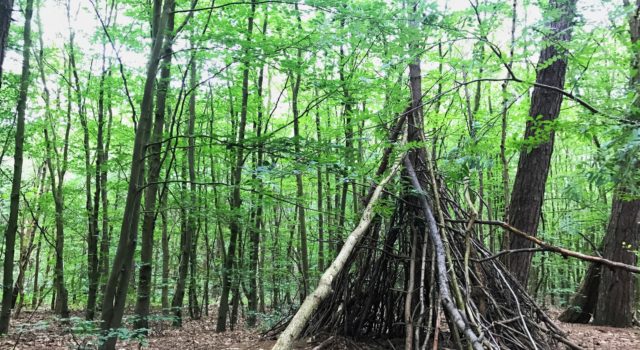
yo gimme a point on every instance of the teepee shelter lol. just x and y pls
(395, 276)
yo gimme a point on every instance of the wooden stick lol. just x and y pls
(565, 252)
(311, 303)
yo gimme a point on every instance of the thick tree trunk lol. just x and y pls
(533, 167)
(616, 290)
(14, 202)
(583, 303)
(609, 294)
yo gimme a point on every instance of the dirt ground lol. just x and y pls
(40, 331)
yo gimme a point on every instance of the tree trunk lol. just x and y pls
(14, 203)
(116, 288)
(302, 224)
(255, 232)
(143, 300)
(616, 290)
(583, 303)
(228, 272)
(533, 167)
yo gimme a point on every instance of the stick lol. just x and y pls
(454, 315)
(548, 247)
(311, 303)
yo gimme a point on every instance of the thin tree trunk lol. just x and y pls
(143, 300)
(302, 225)
(503, 126)
(14, 203)
(186, 240)
(228, 272)
(319, 180)
(121, 271)
(256, 231)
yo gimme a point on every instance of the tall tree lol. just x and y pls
(236, 177)
(189, 217)
(143, 300)
(14, 204)
(115, 295)
(609, 294)
(535, 156)
(616, 291)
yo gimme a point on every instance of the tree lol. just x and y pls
(527, 195)
(6, 8)
(115, 291)
(609, 295)
(12, 222)
(228, 273)
(143, 300)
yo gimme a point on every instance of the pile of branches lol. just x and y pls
(422, 275)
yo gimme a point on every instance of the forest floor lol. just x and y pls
(41, 331)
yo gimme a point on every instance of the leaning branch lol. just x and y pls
(556, 249)
(311, 303)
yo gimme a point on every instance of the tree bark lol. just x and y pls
(256, 231)
(535, 157)
(143, 300)
(228, 272)
(583, 303)
(121, 271)
(14, 202)
(302, 225)
(186, 239)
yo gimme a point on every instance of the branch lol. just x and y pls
(510, 251)
(548, 247)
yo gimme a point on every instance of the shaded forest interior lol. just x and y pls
(426, 173)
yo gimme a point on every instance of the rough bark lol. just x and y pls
(535, 157)
(609, 295)
(583, 303)
(616, 290)
(14, 201)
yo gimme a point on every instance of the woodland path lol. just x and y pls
(41, 332)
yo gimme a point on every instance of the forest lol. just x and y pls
(319, 174)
